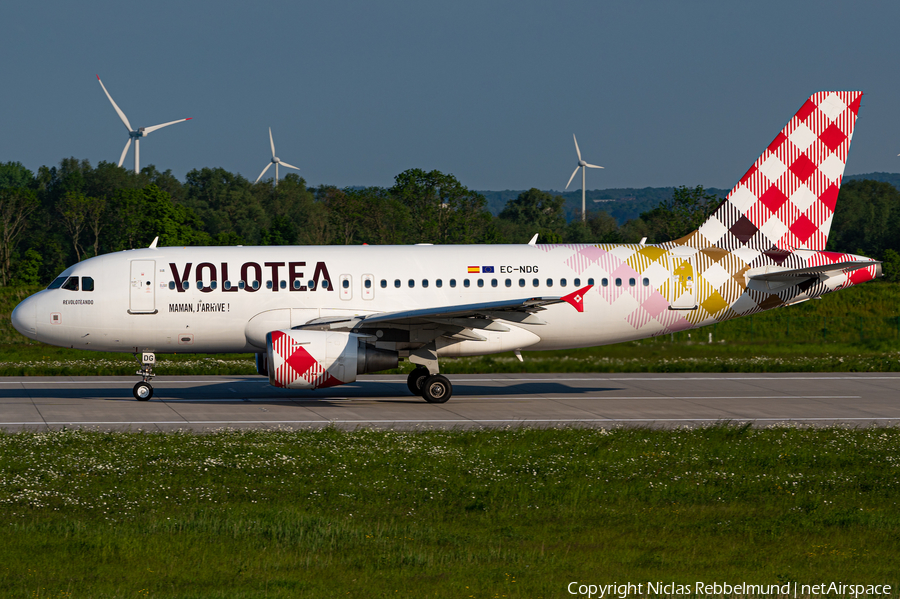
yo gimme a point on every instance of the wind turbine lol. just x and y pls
(134, 134)
(581, 165)
(275, 160)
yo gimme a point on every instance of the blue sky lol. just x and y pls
(660, 93)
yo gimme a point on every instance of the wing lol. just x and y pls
(460, 320)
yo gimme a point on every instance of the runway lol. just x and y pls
(204, 403)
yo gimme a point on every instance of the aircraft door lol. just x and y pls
(368, 287)
(346, 287)
(682, 289)
(143, 284)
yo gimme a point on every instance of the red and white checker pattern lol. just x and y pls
(291, 362)
(786, 200)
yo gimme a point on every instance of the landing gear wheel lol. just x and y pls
(416, 379)
(143, 391)
(437, 389)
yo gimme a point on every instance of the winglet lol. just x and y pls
(534, 239)
(155, 241)
(576, 298)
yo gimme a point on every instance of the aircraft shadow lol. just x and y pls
(253, 390)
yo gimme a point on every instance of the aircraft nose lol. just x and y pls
(24, 317)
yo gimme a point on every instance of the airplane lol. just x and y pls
(317, 316)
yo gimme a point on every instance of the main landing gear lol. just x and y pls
(143, 391)
(434, 388)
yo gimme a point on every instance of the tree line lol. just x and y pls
(66, 213)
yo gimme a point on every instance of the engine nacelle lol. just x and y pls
(318, 359)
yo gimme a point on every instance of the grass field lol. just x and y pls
(481, 514)
(857, 329)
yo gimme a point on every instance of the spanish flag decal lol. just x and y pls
(474, 269)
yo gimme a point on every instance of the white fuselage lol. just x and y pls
(170, 300)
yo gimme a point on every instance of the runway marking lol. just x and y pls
(455, 421)
(459, 398)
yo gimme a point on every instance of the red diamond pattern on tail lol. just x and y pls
(832, 137)
(802, 228)
(807, 109)
(773, 199)
(804, 164)
(829, 197)
(803, 167)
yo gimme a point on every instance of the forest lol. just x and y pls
(67, 213)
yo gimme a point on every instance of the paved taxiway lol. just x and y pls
(661, 400)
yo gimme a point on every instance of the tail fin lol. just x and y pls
(786, 200)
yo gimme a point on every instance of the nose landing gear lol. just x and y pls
(143, 391)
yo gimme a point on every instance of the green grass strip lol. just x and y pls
(494, 513)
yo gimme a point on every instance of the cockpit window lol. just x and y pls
(57, 283)
(87, 283)
(71, 284)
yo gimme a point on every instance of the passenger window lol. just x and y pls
(57, 283)
(535, 283)
(438, 283)
(604, 281)
(509, 282)
(521, 282)
(226, 285)
(297, 284)
(618, 282)
(325, 284)
(172, 284)
(255, 284)
(646, 282)
(549, 282)
(241, 284)
(493, 282)
(384, 283)
(311, 284)
(631, 282)
(199, 284)
(562, 282)
(577, 282)
(466, 283)
(212, 284)
(411, 283)
(367, 283)
(71, 284)
(87, 284)
(397, 283)
(481, 282)
(424, 283)
(345, 284)
(282, 284)
(453, 282)
(591, 282)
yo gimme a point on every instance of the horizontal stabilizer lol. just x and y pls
(774, 280)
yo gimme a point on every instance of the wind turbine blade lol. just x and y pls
(125, 151)
(155, 127)
(576, 147)
(572, 177)
(271, 142)
(118, 110)
(592, 166)
(282, 163)
(264, 172)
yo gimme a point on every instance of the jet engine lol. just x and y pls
(318, 359)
